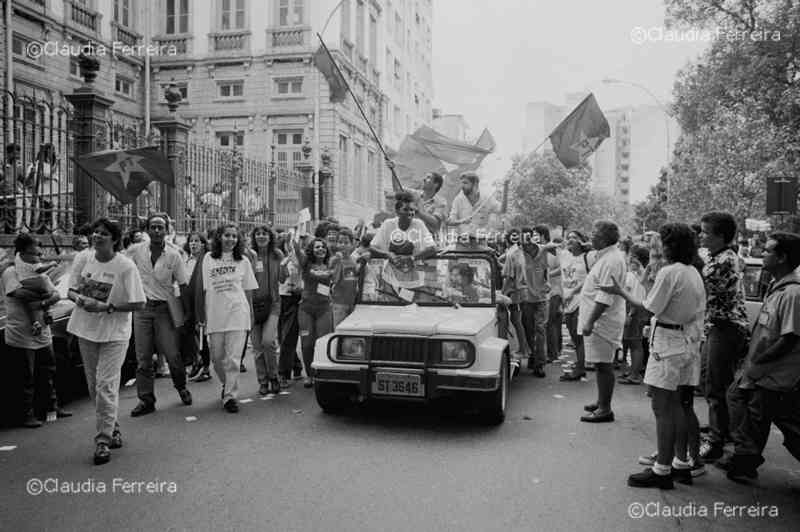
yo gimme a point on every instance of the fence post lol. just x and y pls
(174, 136)
(88, 126)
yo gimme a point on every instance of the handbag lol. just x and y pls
(261, 308)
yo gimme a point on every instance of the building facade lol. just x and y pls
(245, 71)
(407, 47)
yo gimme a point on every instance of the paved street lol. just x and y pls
(284, 465)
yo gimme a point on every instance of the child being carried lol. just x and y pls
(34, 278)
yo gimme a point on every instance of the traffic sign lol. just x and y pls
(781, 195)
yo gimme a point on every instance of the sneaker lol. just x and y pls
(273, 386)
(142, 409)
(308, 382)
(101, 454)
(263, 389)
(195, 371)
(204, 375)
(710, 452)
(698, 467)
(31, 421)
(648, 479)
(283, 383)
(231, 406)
(116, 439)
(186, 396)
(648, 460)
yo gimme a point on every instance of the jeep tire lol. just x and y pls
(332, 398)
(493, 410)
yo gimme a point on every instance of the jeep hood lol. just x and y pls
(415, 320)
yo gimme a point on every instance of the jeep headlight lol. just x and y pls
(455, 352)
(352, 348)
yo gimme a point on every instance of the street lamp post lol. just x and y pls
(664, 109)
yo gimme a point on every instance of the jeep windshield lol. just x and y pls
(443, 281)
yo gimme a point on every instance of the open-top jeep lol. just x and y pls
(420, 330)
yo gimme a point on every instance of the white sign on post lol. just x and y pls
(303, 216)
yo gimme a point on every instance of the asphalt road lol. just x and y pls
(283, 465)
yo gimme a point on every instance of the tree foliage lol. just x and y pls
(649, 215)
(543, 191)
(738, 106)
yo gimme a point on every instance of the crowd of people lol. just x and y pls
(668, 310)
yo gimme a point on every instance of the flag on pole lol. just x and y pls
(580, 133)
(125, 173)
(427, 150)
(324, 62)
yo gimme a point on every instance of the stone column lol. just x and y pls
(88, 127)
(174, 137)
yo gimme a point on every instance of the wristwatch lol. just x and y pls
(110, 308)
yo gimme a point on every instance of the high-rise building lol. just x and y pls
(407, 86)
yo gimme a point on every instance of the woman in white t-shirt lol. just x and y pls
(226, 307)
(106, 287)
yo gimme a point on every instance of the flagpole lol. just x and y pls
(395, 180)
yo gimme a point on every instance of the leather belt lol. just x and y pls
(155, 302)
(669, 326)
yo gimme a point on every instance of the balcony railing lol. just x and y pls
(83, 16)
(182, 45)
(294, 39)
(125, 36)
(228, 43)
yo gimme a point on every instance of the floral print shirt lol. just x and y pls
(723, 279)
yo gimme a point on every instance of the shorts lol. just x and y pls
(669, 373)
(598, 349)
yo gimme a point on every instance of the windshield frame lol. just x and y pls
(449, 256)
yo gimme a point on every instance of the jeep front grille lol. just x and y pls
(412, 350)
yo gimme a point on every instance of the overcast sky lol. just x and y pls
(490, 58)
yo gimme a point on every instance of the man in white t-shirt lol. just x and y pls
(601, 317)
(470, 212)
(403, 237)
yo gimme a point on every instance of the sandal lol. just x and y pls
(628, 380)
(569, 377)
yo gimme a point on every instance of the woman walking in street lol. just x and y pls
(225, 308)
(106, 287)
(266, 260)
(315, 316)
(193, 342)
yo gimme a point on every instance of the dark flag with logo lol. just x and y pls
(125, 173)
(580, 133)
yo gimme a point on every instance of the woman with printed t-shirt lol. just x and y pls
(226, 307)
(105, 286)
(266, 261)
(315, 316)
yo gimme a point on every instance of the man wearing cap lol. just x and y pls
(161, 268)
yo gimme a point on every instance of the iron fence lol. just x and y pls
(36, 185)
(222, 186)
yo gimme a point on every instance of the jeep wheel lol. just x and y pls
(332, 398)
(494, 409)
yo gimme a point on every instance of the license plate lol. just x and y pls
(398, 384)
